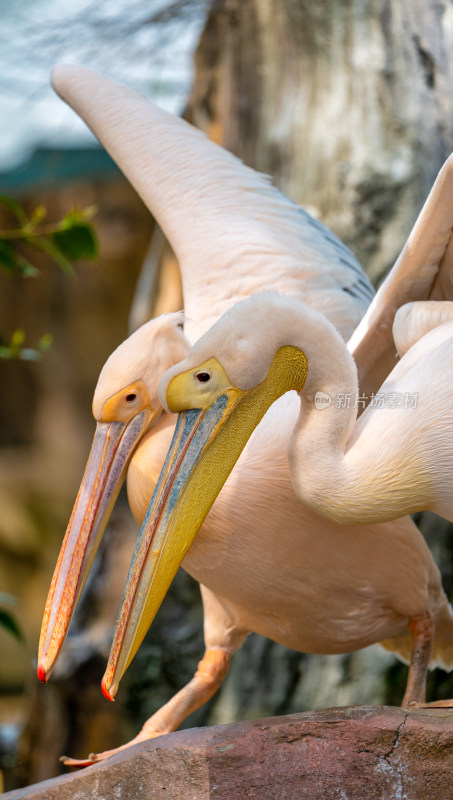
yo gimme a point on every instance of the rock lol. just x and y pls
(352, 753)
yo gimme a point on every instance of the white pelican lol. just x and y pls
(234, 234)
(395, 459)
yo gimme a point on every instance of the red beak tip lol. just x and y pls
(106, 692)
(41, 672)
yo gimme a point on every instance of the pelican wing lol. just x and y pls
(423, 271)
(232, 231)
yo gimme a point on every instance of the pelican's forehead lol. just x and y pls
(244, 340)
(228, 341)
(139, 357)
(123, 367)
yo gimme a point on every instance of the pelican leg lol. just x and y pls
(422, 631)
(210, 673)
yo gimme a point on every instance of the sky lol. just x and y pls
(111, 36)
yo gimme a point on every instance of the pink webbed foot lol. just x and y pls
(433, 704)
(207, 679)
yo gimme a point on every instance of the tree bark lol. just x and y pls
(347, 104)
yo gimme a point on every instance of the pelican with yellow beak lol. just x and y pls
(312, 587)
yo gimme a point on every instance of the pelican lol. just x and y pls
(234, 234)
(395, 459)
(316, 589)
(310, 586)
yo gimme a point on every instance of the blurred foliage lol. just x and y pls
(68, 240)
(7, 618)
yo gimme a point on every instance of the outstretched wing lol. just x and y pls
(233, 232)
(423, 271)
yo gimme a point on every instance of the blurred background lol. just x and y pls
(348, 105)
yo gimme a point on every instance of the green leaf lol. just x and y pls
(77, 241)
(77, 216)
(49, 247)
(45, 342)
(15, 207)
(38, 215)
(88, 212)
(18, 338)
(25, 267)
(8, 622)
(7, 256)
(14, 348)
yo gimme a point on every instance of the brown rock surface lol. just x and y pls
(352, 753)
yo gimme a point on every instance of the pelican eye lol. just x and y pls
(203, 377)
(131, 397)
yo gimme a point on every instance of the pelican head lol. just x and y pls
(125, 405)
(221, 391)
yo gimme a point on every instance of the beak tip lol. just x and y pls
(41, 672)
(110, 695)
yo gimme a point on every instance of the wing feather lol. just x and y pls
(423, 271)
(232, 231)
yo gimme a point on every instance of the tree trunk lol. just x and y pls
(347, 104)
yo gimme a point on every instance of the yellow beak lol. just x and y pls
(206, 444)
(112, 447)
